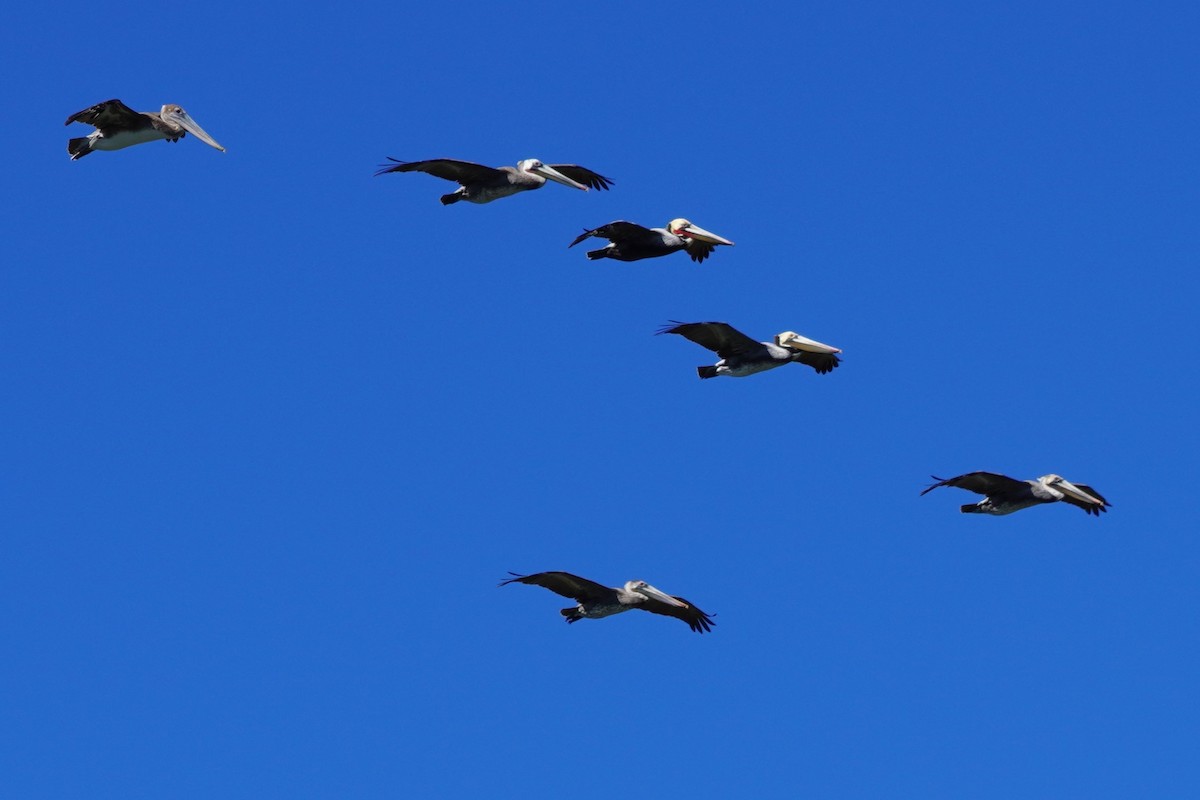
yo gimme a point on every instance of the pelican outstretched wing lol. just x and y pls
(564, 583)
(720, 337)
(696, 619)
(619, 231)
(462, 172)
(986, 483)
(110, 114)
(592, 180)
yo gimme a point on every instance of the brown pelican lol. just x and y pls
(596, 601)
(742, 356)
(1004, 495)
(480, 184)
(629, 241)
(117, 126)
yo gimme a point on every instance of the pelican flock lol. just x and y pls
(596, 601)
(629, 241)
(1004, 495)
(118, 126)
(480, 184)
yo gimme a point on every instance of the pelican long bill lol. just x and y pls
(1066, 487)
(662, 597)
(184, 120)
(701, 235)
(556, 176)
(795, 341)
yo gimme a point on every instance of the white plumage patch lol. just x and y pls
(124, 139)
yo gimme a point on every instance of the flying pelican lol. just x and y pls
(742, 356)
(629, 241)
(117, 126)
(480, 184)
(596, 601)
(1004, 495)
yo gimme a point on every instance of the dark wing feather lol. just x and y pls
(1090, 508)
(696, 619)
(564, 583)
(111, 114)
(698, 251)
(821, 362)
(593, 180)
(462, 172)
(986, 483)
(720, 337)
(618, 231)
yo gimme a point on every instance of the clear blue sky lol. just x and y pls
(275, 427)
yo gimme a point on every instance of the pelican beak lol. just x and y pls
(662, 597)
(190, 125)
(794, 341)
(552, 174)
(1066, 487)
(701, 235)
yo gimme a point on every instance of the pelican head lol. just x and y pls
(794, 341)
(176, 116)
(645, 589)
(1061, 485)
(683, 228)
(538, 168)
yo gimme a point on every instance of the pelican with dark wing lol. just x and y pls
(480, 184)
(1004, 495)
(596, 601)
(629, 241)
(742, 356)
(118, 126)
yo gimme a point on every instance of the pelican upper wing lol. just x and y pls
(619, 231)
(592, 180)
(110, 114)
(720, 337)
(821, 362)
(1090, 508)
(463, 172)
(696, 619)
(986, 483)
(564, 583)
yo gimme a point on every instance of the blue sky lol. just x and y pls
(277, 427)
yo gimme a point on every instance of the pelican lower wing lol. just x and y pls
(696, 619)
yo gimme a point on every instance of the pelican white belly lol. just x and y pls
(124, 139)
(601, 610)
(747, 368)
